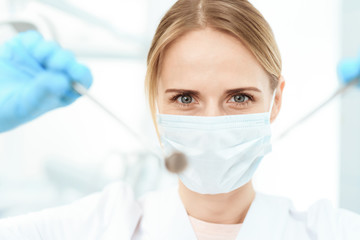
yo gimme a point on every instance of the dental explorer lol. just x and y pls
(339, 91)
(175, 162)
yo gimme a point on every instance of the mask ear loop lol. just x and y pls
(272, 101)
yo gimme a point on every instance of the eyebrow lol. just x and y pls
(229, 91)
(183, 91)
(236, 90)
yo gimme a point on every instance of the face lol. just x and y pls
(210, 73)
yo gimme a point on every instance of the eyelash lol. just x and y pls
(245, 103)
(175, 98)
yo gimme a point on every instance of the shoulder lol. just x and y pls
(100, 206)
(323, 211)
(86, 217)
(343, 223)
(321, 219)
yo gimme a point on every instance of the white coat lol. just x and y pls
(115, 214)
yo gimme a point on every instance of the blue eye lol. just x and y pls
(185, 99)
(240, 98)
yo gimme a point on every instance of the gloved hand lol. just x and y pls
(348, 69)
(36, 77)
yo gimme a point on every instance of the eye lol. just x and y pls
(240, 98)
(185, 99)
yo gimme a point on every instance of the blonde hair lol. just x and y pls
(236, 17)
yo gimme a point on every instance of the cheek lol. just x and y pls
(252, 108)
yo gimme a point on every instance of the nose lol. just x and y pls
(213, 109)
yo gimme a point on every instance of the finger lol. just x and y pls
(56, 85)
(64, 60)
(349, 69)
(30, 39)
(5, 51)
(17, 53)
(81, 74)
(59, 60)
(41, 95)
(43, 50)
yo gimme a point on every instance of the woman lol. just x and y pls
(214, 86)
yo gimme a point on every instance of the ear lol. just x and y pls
(278, 99)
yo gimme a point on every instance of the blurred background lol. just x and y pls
(77, 150)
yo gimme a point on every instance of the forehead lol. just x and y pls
(210, 58)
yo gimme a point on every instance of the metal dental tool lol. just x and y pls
(175, 162)
(339, 91)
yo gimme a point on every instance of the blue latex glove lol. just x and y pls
(36, 77)
(348, 69)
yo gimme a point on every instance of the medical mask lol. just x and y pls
(223, 152)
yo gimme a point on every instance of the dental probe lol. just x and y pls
(175, 162)
(339, 91)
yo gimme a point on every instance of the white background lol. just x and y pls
(84, 143)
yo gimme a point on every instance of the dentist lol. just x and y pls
(214, 86)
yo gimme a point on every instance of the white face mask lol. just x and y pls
(223, 152)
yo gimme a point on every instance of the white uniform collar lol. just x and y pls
(266, 218)
(165, 218)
